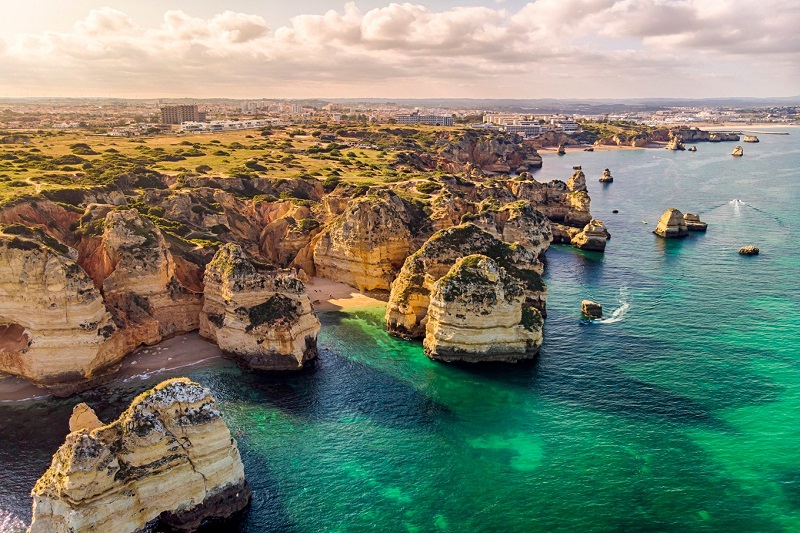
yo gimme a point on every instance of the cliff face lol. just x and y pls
(592, 237)
(142, 285)
(366, 245)
(490, 153)
(517, 222)
(477, 313)
(169, 456)
(263, 318)
(565, 207)
(54, 328)
(410, 295)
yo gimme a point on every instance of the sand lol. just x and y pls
(191, 350)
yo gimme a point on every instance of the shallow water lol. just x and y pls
(678, 412)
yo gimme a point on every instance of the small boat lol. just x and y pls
(644, 222)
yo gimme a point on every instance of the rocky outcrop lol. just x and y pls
(749, 250)
(565, 207)
(737, 152)
(489, 152)
(577, 182)
(141, 287)
(750, 139)
(693, 222)
(169, 457)
(561, 149)
(83, 417)
(675, 143)
(719, 136)
(366, 245)
(695, 134)
(593, 237)
(410, 296)
(54, 328)
(478, 312)
(516, 222)
(261, 317)
(606, 177)
(671, 225)
(591, 309)
(692, 149)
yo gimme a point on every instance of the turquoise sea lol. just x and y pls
(679, 412)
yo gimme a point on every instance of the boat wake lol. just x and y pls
(618, 315)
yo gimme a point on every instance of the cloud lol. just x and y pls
(556, 48)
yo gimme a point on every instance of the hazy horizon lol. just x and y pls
(370, 49)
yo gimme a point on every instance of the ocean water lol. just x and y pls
(678, 412)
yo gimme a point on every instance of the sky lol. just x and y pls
(425, 49)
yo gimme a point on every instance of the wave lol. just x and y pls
(29, 399)
(9, 523)
(148, 375)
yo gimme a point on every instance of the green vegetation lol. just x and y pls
(279, 308)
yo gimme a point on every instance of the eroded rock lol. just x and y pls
(593, 237)
(169, 456)
(671, 225)
(478, 312)
(261, 316)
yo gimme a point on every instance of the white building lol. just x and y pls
(431, 120)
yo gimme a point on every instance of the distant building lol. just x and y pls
(431, 120)
(176, 114)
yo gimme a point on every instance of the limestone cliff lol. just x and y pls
(489, 152)
(54, 328)
(560, 203)
(409, 298)
(262, 317)
(478, 312)
(169, 457)
(366, 245)
(142, 287)
(516, 222)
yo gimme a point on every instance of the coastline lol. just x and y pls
(190, 350)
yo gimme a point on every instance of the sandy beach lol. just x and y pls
(191, 350)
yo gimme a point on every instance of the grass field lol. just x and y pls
(33, 161)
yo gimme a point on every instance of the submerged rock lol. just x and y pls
(478, 313)
(261, 317)
(671, 225)
(169, 457)
(693, 222)
(593, 237)
(591, 309)
(749, 250)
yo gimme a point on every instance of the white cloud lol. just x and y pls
(570, 48)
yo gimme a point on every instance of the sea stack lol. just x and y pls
(168, 458)
(478, 313)
(693, 222)
(671, 225)
(737, 152)
(591, 309)
(262, 317)
(593, 237)
(606, 177)
(675, 143)
(692, 149)
(750, 139)
(561, 149)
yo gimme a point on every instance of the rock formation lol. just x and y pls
(516, 222)
(577, 182)
(561, 149)
(591, 309)
(593, 237)
(409, 299)
(262, 317)
(693, 222)
(749, 250)
(750, 139)
(692, 149)
(478, 313)
(169, 457)
(54, 328)
(141, 286)
(606, 177)
(487, 152)
(695, 134)
(366, 245)
(671, 225)
(675, 143)
(737, 152)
